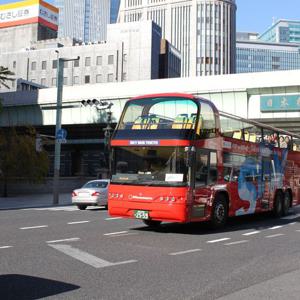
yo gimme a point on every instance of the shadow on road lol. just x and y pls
(250, 222)
(23, 287)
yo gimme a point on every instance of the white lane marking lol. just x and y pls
(59, 208)
(114, 233)
(185, 252)
(291, 217)
(236, 243)
(217, 241)
(292, 223)
(274, 235)
(124, 234)
(87, 258)
(115, 218)
(34, 227)
(298, 230)
(64, 240)
(5, 247)
(251, 233)
(275, 227)
(78, 222)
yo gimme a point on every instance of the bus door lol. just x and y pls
(267, 182)
(231, 174)
(205, 170)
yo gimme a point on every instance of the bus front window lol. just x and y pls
(157, 166)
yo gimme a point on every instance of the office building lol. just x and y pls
(202, 30)
(114, 10)
(258, 56)
(86, 20)
(131, 52)
(26, 22)
(282, 31)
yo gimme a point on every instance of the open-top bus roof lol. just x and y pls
(258, 124)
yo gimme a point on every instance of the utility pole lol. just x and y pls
(57, 152)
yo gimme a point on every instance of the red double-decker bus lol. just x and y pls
(176, 158)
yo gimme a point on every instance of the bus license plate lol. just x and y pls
(141, 214)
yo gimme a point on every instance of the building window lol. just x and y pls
(76, 63)
(14, 64)
(43, 81)
(65, 64)
(87, 61)
(99, 61)
(87, 79)
(98, 78)
(76, 80)
(110, 77)
(124, 57)
(33, 66)
(110, 59)
(44, 65)
(13, 83)
(124, 76)
(65, 80)
(54, 64)
(53, 81)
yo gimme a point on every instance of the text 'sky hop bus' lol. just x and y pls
(176, 158)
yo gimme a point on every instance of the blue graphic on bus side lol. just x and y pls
(251, 185)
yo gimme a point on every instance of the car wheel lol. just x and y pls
(106, 206)
(152, 223)
(82, 207)
(219, 214)
(278, 205)
(286, 203)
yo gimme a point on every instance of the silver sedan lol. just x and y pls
(92, 193)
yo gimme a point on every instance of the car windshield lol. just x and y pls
(160, 166)
(96, 184)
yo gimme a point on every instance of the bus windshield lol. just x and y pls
(159, 117)
(157, 166)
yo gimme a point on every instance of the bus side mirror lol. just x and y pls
(189, 156)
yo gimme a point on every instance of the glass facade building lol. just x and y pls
(86, 20)
(282, 31)
(202, 30)
(257, 56)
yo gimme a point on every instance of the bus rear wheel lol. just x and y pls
(219, 214)
(278, 205)
(286, 203)
(152, 223)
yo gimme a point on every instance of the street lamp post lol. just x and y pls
(57, 152)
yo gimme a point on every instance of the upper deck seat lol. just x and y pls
(180, 121)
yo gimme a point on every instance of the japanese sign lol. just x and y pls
(280, 103)
(27, 12)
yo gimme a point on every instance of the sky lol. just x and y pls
(254, 15)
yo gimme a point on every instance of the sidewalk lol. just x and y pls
(31, 201)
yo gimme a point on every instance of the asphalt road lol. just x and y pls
(64, 253)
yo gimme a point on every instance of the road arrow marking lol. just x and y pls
(87, 258)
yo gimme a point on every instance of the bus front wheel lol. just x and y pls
(219, 212)
(152, 223)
